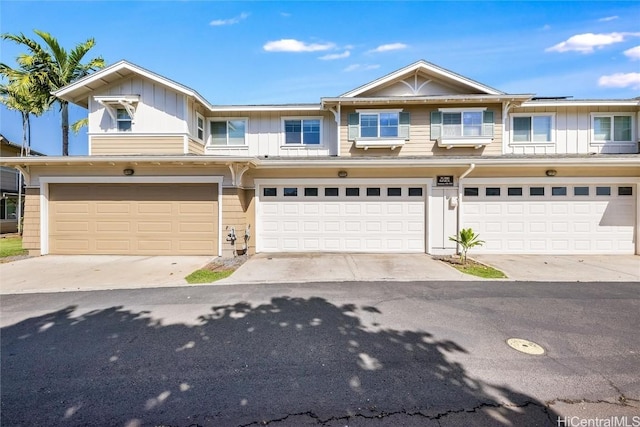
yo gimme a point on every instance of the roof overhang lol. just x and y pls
(421, 100)
(120, 160)
(250, 108)
(584, 103)
(79, 91)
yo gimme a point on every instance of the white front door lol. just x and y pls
(443, 221)
(358, 217)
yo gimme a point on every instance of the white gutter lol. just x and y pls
(472, 166)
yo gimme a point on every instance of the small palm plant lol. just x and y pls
(467, 239)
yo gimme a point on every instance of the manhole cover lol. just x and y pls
(525, 346)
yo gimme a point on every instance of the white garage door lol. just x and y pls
(345, 218)
(552, 219)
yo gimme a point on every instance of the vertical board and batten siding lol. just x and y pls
(132, 144)
(31, 224)
(265, 135)
(572, 132)
(420, 142)
(160, 109)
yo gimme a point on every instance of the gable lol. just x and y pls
(421, 79)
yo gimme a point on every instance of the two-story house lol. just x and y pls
(10, 186)
(397, 165)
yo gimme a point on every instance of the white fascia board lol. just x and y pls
(113, 160)
(586, 103)
(243, 108)
(603, 180)
(427, 67)
(64, 92)
(436, 99)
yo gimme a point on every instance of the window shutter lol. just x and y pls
(354, 126)
(436, 124)
(487, 123)
(404, 125)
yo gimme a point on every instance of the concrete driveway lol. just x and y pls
(59, 273)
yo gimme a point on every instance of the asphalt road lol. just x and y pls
(335, 354)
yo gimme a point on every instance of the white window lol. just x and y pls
(612, 128)
(302, 131)
(200, 126)
(379, 125)
(532, 128)
(123, 120)
(452, 123)
(228, 132)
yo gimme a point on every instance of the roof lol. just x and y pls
(78, 92)
(4, 141)
(428, 68)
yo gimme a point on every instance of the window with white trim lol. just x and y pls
(200, 127)
(302, 131)
(451, 123)
(227, 132)
(532, 128)
(123, 120)
(612, 127)
(378, 124)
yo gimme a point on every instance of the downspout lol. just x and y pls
(472, 166)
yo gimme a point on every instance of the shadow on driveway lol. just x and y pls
(300, 361)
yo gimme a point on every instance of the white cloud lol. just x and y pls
(608, 18)
(631, 80)
(333, 56)
(285, 14)
(586, 43)
(361, 67)
(230, 21)
(633, 53)
(388, 47)
(292, 45)
(546, 27)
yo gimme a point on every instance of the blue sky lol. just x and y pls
(273, 52)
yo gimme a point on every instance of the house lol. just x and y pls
(9, 186)
(396, 165)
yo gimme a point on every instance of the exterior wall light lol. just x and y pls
(128, 171)
(342, 174)
(551, 172)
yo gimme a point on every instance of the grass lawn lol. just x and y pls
(207, 276)
(480, 271)
(11, 246)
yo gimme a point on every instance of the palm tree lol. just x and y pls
(467, 239)
(20, 97)
(49, 67)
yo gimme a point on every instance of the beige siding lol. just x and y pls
(31, 233)
(195, 147)
(420, 142)
(235, 213)
(132, 144)
(133, 219)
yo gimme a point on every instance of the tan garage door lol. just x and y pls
(133, 219)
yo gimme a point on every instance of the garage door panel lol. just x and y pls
(135, 219)
(362, 223)
(563, 224)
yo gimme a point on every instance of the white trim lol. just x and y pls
(246, 108)
(532, 142)
(583, 103)
(263, 182)
(380, 110)
(204, 129)
(611, 115)
(209, 137)
(118, 134)
(46, 180)
(303, 144)
(552, 180)
(391, 143)
(462, 109)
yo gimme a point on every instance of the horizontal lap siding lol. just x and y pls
(31, 227)
(420, 142)
(195, 147)
(8, 179)
(236, 213)
(130, 144)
